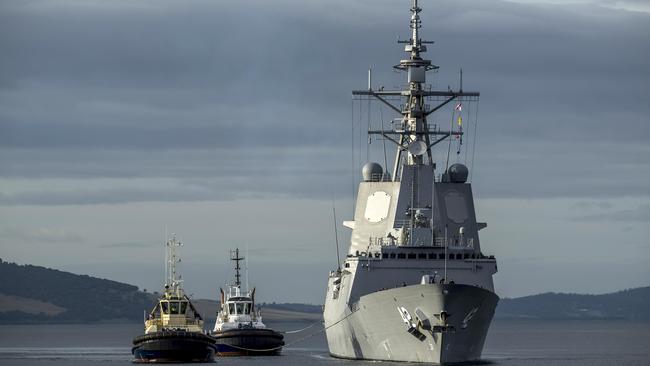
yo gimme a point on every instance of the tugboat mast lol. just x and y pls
(234, 255)
(172, 283)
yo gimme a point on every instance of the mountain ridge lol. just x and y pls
(34, 294)
(629, 304)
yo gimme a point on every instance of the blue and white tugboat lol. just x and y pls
(238, 330)
(173, 331)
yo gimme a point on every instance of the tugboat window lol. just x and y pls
(247, 309)
(231, 309)
(240, 308)
(183, 307)
(173, 306)
(165, 307)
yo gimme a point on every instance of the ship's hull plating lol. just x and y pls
(173, 347)
(248, 342)
(374, 329)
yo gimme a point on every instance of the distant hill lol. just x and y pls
(632, 304)
(301, 308)
(270, 312)
(33, 294)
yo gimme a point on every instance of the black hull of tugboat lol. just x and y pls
(173, 347)
(248, 342)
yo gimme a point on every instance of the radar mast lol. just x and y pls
(414, 135)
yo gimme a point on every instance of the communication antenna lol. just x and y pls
(166, 259)
(172, 279)
(237, 259)
(246, 265)
(336, 237)
(446, 245)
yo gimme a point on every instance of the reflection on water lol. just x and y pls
(67, 353)
(528, 343)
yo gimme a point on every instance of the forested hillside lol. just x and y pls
(80, 298)
(632, 304)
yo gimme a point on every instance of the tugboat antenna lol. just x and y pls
(172, 280)
(246, 263)
(237, 258)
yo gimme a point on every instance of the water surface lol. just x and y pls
(527, 343)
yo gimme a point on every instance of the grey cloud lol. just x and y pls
(591, 205)
(245, 89)
(101, 196)
(39, 235)
(639, 214)
(126, 245)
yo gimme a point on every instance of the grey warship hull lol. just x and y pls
(374, 329)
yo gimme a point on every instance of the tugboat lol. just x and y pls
(173, 332)
(238, 330)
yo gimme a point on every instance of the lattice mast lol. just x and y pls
(414, 135)
(173, 280)
(234, 255)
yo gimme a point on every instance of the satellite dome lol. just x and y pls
(372, 172)
(458, 173)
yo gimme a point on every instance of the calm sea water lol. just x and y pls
(527, 343)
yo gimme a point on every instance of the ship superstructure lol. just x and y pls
(415, 285)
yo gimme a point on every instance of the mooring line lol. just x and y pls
(300, 330)
(297, 340)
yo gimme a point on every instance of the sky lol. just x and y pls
(230, 123)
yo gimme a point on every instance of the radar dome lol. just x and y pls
(458, 173)
(372, 172)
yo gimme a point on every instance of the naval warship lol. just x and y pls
(415, 285)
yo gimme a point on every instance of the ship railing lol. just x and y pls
(381, 241)
(439, 241)
(419, 223)
(399, 125)
(160, 323)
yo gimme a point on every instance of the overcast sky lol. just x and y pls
(229, 122)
